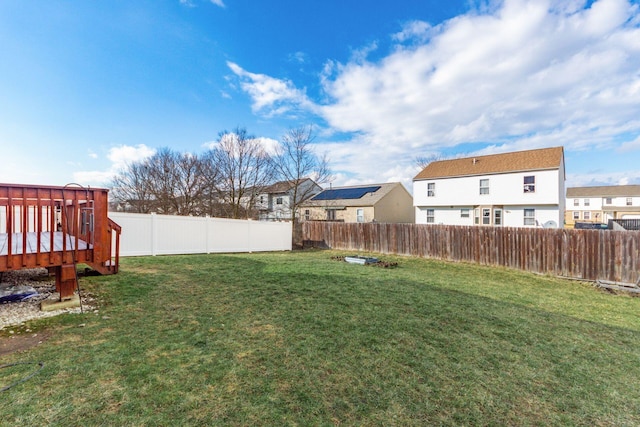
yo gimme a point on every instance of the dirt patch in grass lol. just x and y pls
(13, 344)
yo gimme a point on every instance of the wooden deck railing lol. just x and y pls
(51, 227)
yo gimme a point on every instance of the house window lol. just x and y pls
(529, 217)
(529, 184)
(497, 217)
(464, 213)
(431, 216)
(431, 189)
(607, 201)
(486, 216)
(307, 214)
(261, 199)
(331, 215)
(586, 202)
(484, 186)
(586, 215)
(279, 201)
(576, 202)
(476, 216)
(360, 215)
(629, 201)
(576, 215)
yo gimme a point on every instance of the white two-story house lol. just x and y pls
(517, 189)
(602, 203)
(275, 202)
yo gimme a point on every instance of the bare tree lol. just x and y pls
(423, 161)
(295, 160)
(162, 179)
(210, 203)
(132, 189)
(243, 169)
(190, 184)
(167, 182)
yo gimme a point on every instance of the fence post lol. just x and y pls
(206, 230)
(153, 234)
(249, 234)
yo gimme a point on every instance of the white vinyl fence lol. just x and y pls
(152, 234)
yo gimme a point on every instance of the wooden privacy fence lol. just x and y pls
(582, 254)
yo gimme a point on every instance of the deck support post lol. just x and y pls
(66, 283)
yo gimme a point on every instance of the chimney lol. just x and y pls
(475, 160)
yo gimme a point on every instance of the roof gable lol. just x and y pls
(517, 161)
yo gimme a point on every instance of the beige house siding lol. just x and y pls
(350, 214)
(347, 214)
(313, 213)
(391, 203)
(397, 206)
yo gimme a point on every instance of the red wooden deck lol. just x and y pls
(57, 228)
(46, 241)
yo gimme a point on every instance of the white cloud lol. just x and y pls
(270, 95)
(526, 69)
(413, 30)
(92, 154)
(360, 55)
(190, 3)
(119, 157)
(125, 154)
(630, 145)
(268, 144)
(515, 74)
(298, 57)
(603, 178)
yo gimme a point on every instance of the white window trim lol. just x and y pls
(529, 218)
(497, 217)
(431, 189)
(486, 217)
(431, 216)
(529, 187)
(486, 187)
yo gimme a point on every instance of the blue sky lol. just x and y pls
(87, 86)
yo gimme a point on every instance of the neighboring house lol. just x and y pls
(600, 204)
(390, 203)
(275, 202)
(517, 189)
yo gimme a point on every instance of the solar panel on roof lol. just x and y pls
(345, 193)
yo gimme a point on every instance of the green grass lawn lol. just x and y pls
(300, 339)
